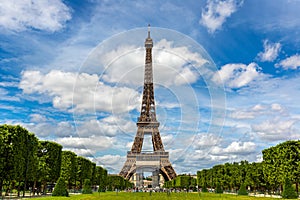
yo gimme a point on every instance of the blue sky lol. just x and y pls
(226, 75)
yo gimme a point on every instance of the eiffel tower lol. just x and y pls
(157, 161)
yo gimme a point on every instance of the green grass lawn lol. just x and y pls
(154, 196)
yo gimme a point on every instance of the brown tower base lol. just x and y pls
(156, 162)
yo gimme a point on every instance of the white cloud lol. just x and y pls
(168, 105)
(271, 51)
(206, 141)
(90, 136)
(237, 75)
(181, 54)
(275, 129)
(81, 152)
(96, 143)
(5, 96)
(277, 107)
(113, 163)
(292, 62)
(19, 15)
(242, 114)
(64, 129)
(218, 154)
(80, 92)
(171, 65)
(109, 126)
(257, 110)
(129, 144)
(258, 107)
(37, 118)
(216, 13)
(185, 76)
(46, 128)
(237, 148)
(241, 147)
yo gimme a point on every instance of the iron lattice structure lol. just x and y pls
(158, 160)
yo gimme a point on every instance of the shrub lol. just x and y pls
(242, 190)
(87, 187)
(60, 188)
(218, 189)
(288, 190)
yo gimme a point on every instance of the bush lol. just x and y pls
(288, 190)
(218, 189)
(87, 187)
(242, 190)
(60, 188)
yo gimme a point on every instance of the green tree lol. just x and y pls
(87, 187)
(30, 172)
(218, 173)
(203, 179)
(117, 182)
(60, 188)
(68, 167)
(183, 181)
(101, 178)
(282, 161)
(2, 158)
(242, 190)
(49, 159)
(288, 191)
(204, 188)
(25, 160)
(84, 169)
(218, 189)
(290, 161)
(18, 141)
(6, 152)
(18, 153)
(271, 168)
(93, 172)
(227, 177)
(255, 177)
(236, 178)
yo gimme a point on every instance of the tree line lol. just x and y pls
(182, 182)
(280, 164)
(29, 163)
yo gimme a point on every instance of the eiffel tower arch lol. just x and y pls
(157, 161)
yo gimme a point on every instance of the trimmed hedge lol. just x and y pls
(60, 188)
(242, 190)
(87, 187)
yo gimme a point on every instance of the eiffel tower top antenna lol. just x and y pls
(148, 30)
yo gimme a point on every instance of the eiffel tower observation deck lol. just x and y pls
(156, 161)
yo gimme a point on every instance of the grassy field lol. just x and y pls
(153, 196)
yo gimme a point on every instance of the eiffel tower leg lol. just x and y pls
(138, 141)
(156, 141)
(167, 170)
(155, 178)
